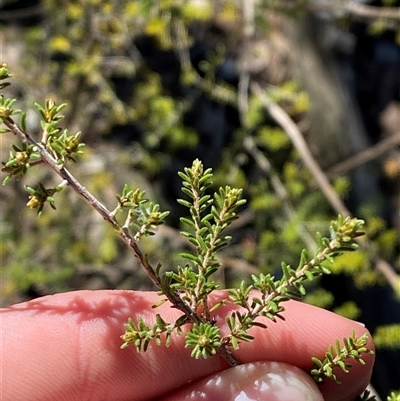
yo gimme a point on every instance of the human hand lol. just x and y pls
(66, 347)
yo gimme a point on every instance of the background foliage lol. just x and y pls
(153, 85)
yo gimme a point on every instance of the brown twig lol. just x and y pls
(365, 156)
(357, 11)
(372, 12)
(284, 120)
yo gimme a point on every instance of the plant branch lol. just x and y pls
(122, 232)
(281, 288)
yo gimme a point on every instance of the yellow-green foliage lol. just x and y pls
(387, 336)
(394, 396)
(291, 93)
(384, 238)
(357, 265)
(273, 138)
(255, 113)
(320, 298)
(348, 309)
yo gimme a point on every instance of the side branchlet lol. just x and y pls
(142, 216)
(21, 158)
(273, 292)
(58, 145)
(337, 357)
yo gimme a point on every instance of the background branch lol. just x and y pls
(365, 156)
(357, 11)
(288, 125)
(284, 121)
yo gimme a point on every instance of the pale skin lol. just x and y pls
(66, 347)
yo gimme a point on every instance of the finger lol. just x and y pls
(72, 340)
(308, 331)
(66, 347)
(257, 381)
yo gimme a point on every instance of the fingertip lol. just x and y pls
(274, 381)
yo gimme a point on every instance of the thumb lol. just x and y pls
(257, 381)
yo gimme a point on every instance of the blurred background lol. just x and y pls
(238, 84)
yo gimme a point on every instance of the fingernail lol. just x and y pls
(277, 381)
(257, 381)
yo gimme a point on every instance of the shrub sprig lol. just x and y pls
(189, 287)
